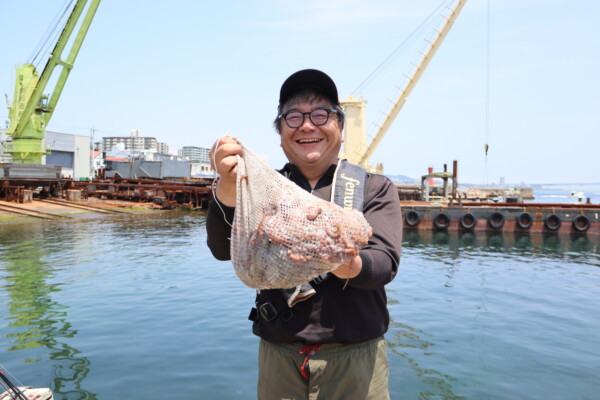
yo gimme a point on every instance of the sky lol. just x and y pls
(519, 75)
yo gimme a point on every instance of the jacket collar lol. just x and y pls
(292, 172)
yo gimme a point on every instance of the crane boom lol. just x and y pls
(360, 156)
(31, 108)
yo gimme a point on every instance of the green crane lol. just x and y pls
(31, 108)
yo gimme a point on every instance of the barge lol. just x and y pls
(444, 208)
(502, 217)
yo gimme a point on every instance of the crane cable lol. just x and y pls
(397, 51)
(487, 94)
(51, 35)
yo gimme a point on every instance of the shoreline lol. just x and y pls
(72, 211)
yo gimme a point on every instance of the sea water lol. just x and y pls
(136, 307)
(557, 193)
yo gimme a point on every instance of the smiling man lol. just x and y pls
(326, 340)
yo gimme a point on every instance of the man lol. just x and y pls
(330, 344)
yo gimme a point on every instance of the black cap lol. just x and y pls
(309, 79)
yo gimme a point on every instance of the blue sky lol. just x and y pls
(187, 72)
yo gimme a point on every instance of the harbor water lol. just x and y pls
(567, 193)
(136, 307)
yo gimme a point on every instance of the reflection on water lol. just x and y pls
(465, 305)
(435, 384)
(36, 319)
(59, 278)
(535, 243)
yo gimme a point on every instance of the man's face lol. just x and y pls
(311, 146)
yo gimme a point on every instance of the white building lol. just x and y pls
(135, 142)
(194, 153)
(201, 169)
(163, 148)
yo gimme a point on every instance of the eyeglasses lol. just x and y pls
(318, 117)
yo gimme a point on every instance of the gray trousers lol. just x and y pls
(335, 371)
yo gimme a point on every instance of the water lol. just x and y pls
(135, 307)
(567, 193)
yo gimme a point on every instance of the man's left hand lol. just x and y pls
(349, 270)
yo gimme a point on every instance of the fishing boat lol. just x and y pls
(14, 390)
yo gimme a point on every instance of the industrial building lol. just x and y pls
(70, 152)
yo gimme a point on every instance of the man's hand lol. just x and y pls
(223, 158)
(349, 270)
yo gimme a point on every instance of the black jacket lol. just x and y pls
(334, 314)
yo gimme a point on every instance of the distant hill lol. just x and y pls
(401, 179)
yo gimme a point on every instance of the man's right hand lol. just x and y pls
(223, 157)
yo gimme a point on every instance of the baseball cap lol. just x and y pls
(309, 79)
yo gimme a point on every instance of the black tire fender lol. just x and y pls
(468, 221)
(581, 223)
(552, 222)
(496, 220)
(441, 221)
(524, 220)
(412, 218)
